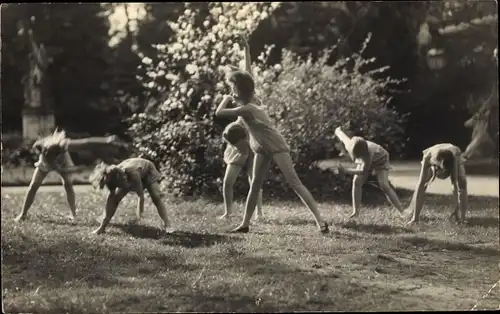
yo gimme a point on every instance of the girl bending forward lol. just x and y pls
(442, 161)
(370, 158)
(266, 142)
(54, 156)
(237, 155)
(131, 175)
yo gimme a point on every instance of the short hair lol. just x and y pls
(234, 133)
(109, 176)
(446, 159)
(244, 84)
(359, 147)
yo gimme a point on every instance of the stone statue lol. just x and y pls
(38, 116)
(37, 81)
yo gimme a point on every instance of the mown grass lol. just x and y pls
(373, 263)
(21, 176)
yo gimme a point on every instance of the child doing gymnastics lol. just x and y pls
(131, 175)
(442, 161)
(370, 158)
(53, 152)
(237, 155)
(266, 142)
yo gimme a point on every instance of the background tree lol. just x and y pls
(76, 37)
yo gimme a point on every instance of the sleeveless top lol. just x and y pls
(379, 156)
(145, 168)
(264, 136)
(61, 163)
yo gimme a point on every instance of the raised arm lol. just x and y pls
(39, 52)
(242, 41)
(342, 136)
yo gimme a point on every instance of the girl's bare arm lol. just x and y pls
(242, 41)
(223, 111)
(86, 143)
(361, 169)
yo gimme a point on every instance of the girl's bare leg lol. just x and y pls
(111, 205)
(383, 179)
(285, 163)
(70, 193)
(357, 191)
(258, 214)
(36, 182)
(155, 193)
(260, 167)
(232, 172)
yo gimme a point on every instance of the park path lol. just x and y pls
(403, 174)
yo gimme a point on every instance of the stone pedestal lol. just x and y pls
(37, 122)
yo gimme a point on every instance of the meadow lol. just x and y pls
(373, 263)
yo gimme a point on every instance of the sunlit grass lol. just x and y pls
(374, 263)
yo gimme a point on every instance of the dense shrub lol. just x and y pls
(307, 99)
(17, 151)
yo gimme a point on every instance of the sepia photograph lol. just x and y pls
(253, 157)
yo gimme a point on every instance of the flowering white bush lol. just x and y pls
(179, 132)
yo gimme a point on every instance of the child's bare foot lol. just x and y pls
(353, 215)
(135, 221)
(240, 229)
(324, 228)
(98, 231)
(169, 230)
(225, 216)
(453, 218)
(71, 217)
(20, 218)
(412, 222)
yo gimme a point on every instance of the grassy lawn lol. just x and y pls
(21, 176)
(372, 264)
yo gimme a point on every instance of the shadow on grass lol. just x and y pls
(141, 231)
(193, 240)
(476, 202)
(63, 221)
(39, 263)
(177, 238)
(440, 245)
(289, 222)
(376, 229)
(487, 222)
